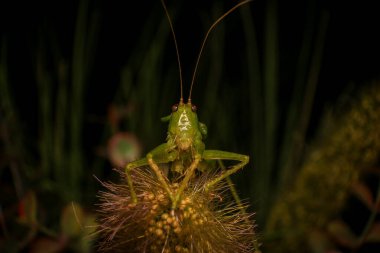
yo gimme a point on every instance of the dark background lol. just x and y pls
(351, 52)
(125, 30)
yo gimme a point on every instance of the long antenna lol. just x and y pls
(176, 48)
(204, 41)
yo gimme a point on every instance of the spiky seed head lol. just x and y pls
(201, 223)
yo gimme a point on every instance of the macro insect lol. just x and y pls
(175, 199)
(184, 147)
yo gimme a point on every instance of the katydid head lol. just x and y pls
(183, 125)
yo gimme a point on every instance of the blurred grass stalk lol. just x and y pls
(274, 167)
(144, 84)
(85, 33)
(270, 104)
(62, 109)
(44, 86)
(12, 142)
(79, 71)
(263, 89)
(293, 144)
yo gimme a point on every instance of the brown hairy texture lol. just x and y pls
(202, 222)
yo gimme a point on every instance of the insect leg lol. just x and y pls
(130, 166)
(189, 173)
(232, 187)
(160, 154)
(224, 155)
(159, 174)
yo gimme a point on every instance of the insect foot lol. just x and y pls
(199, 223)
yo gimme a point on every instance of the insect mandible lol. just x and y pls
(184, 147)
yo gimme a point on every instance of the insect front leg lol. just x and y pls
(161, 154)
(224, 155)
(199, 147)
(188, 175)
(211, 154)
(232, 187)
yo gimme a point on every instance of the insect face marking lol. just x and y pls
(184, 122)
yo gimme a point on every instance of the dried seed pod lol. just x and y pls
(200, 223)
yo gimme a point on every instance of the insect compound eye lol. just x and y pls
(194, 108)
(175, 108)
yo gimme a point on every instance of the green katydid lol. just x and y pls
(184, 147)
